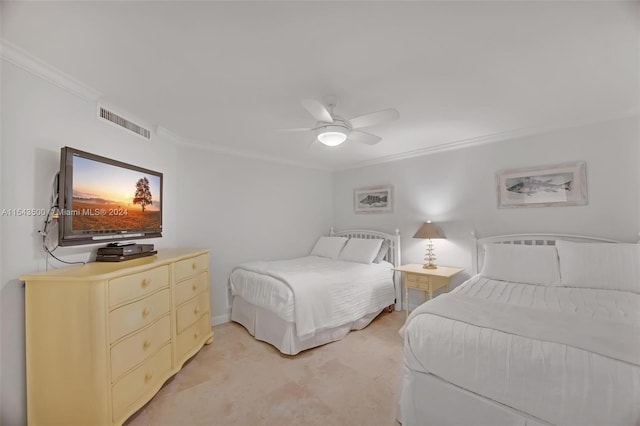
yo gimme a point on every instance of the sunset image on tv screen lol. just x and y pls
(112, 198)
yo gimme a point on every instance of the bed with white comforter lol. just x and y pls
(500, 352)
(296, 304)
(315, 292)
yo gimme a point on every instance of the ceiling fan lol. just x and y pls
(332, 130)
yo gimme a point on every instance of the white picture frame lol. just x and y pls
(377, 199)
(562, 184)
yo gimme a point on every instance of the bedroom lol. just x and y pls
(571, 94)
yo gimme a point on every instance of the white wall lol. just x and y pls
(245, 209)
(38, 119)
(457, 190)
(1, 206)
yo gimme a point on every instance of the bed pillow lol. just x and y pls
(328, 247)
(521, 264)
(384, 248)
(609, 266)
(361, 250)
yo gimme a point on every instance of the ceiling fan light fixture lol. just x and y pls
(332, 135)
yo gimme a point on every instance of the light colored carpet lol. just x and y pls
(238, 380)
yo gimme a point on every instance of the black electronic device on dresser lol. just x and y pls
(121, 252)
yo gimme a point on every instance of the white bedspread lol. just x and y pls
(315, 292)
(510, 347)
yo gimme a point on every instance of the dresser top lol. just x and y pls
(106, 270)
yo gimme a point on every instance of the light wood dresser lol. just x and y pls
(102, 338)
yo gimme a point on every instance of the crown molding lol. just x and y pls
(487, 139)
(23, 59)
(208, 146)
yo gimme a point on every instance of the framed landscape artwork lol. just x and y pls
(556, 185)
(373, 200)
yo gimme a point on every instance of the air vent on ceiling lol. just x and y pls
(123, 122)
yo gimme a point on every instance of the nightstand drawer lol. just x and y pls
(438, 282)
(418, 279)
(418, 286)
(426, 282)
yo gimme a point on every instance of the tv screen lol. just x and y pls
(104, 200)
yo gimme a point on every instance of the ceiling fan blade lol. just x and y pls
(364, 137)
(298, 129)
(311, 144)
(374, 118)
(317, 110)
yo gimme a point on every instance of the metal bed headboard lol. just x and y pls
(527, 239)
(393, 255)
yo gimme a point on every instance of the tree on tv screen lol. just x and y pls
(143, 193)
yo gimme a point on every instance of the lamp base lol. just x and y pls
(429, 257)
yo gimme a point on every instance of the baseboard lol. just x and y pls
(221, 319)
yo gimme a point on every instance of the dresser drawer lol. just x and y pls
(191, 267)
(136, 315)
(189, 312)
(187, 289)
(135, 349)
(142, 381)
(137, 285)
(193, 336)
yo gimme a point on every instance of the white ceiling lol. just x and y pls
(229, 74)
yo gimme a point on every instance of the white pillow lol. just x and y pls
(361, 250)
(328, 247)
(521, 264)
(384, 249)
(600, 265)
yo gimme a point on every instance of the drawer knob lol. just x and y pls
(194, 266)
(196, 310)
(145, 345)
(194, 286)
(145, 283)
(145, 312)
(147, 377)
(196, 334)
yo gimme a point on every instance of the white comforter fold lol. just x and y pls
(326, 293)
(605, 337)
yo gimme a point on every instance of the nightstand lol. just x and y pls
(427, 280)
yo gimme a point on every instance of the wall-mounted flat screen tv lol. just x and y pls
(104, 200)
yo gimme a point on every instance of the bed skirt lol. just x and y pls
(266, 326)
(426, 399)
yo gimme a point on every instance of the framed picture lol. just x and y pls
(373, 200)
(556, 185)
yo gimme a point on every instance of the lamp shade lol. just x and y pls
(429, 230)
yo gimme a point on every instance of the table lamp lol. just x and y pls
(428, 231)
